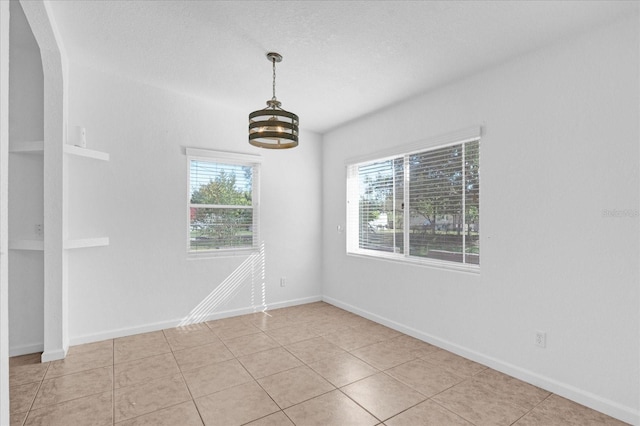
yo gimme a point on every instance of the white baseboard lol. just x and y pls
(588, 399)
(146, 328)
(53, 355)
(26, 349)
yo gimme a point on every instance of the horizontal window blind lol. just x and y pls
(223, 213)
(422, 205)
(378, 207)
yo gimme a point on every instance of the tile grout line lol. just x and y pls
(186, 385)
(252, 376)
(533, 408)
(451, 411)
(35, 395)
(358, 404)
(384, 372)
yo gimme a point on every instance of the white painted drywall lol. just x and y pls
(26, 188)
(4, 222)
(560, 146)
(144, 280)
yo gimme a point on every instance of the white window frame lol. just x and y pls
(352, 203)
(253, 161)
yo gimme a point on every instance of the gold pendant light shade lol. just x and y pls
(273, 127)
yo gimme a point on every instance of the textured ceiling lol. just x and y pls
(342, 59)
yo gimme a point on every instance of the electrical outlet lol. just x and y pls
(283, 282)
(541, 339)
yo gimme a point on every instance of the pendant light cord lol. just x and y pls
(274, 79)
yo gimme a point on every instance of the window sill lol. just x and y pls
(429, 263)
(216, 254)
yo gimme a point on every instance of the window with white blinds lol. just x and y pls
(223, 204)
(420, 206)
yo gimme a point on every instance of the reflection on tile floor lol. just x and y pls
(311, 364)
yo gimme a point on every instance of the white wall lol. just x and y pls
(4, 228)
(560, 146)
(26, 186)
(143, 280)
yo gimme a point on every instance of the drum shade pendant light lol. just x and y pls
(273, 127)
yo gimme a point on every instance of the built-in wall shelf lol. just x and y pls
(79, 243)
(84, 152)
(35, 147)
(33, 245)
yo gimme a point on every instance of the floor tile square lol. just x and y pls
(268, 321)
(353, 320)
(302, 317)
(257, 317)
(28, 359)
(510, 389)
(216, 377)
(350, 339)
(189, 336)
(427, 413)
(100, 346)
(291, 334)
(250, 343)
(414, 346)
(89, 410)
(378, 331)
(231, 329)
(136, 400)
(139, 346)
(342, 369)
(454, 363)
(382, 395)
(271, 361)
(332, 408)
(481, 407)
(17, 419)
(72, 386)
(192, 358)
(383, 355)
(144, 370)
(27, 373)
(230, 333)
(294, 386)
(184, 414)
(326, 325)
(314, 349)
(229, 322)
(89, 357)
(558, 411)
(21, 397)
(236, 406)
(426, 378)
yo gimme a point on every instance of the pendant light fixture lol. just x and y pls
(273, 127)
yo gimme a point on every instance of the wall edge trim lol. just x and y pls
(53, 355)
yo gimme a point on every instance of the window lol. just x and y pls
(421, 205)
(223, 202)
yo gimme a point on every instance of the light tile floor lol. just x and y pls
(311, 364)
